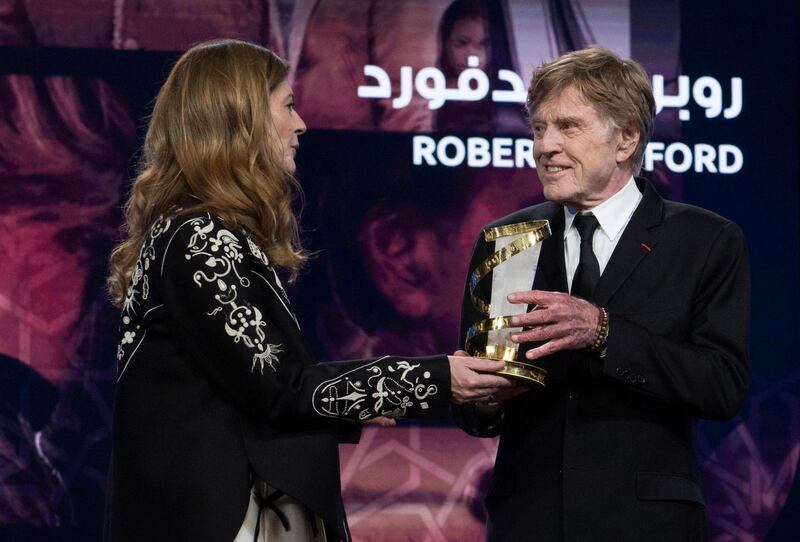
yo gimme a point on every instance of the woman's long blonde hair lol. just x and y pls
(207, 148)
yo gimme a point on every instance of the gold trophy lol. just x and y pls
(513, 267)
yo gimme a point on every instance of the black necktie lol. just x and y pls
(588, 272)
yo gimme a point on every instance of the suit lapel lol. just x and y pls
(551, 274)
(637, 241)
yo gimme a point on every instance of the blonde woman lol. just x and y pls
(225, 427)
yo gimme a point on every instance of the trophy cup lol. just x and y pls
(512, 266)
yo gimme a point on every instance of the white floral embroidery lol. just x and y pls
(138, 292)
(268, 357)
(219, 251)
(140, 279)
(160, 227)
(368, 391)
(256, 250)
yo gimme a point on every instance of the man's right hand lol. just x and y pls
(470, 384)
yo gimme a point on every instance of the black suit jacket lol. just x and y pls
(606, 451)
(216, 385)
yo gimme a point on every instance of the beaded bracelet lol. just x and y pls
(601, 333)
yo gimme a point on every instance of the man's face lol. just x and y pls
(579, 154)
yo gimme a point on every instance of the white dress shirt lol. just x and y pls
(612, 215)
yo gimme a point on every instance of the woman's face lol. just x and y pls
(287, 125)
(468, 38)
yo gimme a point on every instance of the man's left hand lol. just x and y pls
(559, 320)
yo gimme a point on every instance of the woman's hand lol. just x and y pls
(469, 382)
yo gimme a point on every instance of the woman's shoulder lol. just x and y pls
(203, 232)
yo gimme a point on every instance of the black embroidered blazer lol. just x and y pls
(216, 385)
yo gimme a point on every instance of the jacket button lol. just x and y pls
(641, 380)
(621, 372)
(632, 379)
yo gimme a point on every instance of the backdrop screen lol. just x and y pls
(417, 138)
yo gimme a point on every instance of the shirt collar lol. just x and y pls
(613, 214)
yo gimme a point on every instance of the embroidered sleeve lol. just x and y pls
(376, 389)
(231, 318)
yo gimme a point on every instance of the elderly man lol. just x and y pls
(652, 334)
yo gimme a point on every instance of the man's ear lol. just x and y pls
(629, 138)
(398, 252)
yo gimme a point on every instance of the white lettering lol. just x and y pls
(506, 152)
(476, 85)
(478, 154)
(725, 153)
(523, 153)
(423, 150)
(704, 156)
(654, 151)
(441, 151)
(669, 157)
(679, 157)
(501, 149)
